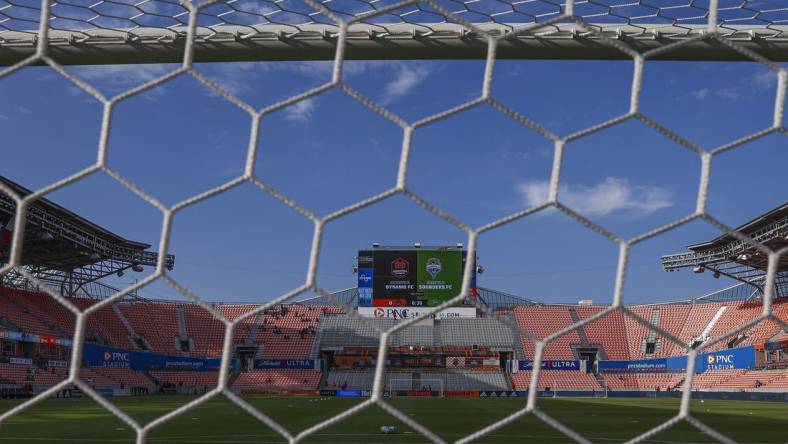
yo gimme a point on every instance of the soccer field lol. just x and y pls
(220, 421)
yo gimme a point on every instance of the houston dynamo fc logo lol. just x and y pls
(434, 266)
(400, 267)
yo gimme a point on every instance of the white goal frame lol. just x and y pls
(407, 385)
(196, 32)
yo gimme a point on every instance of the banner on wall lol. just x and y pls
(636, 366)
(101, 356)
(412, 312)
(728, 359)
(551, 365)
(503, 394)
(30, 337)
(299, 364)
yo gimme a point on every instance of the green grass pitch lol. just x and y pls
(220, 421)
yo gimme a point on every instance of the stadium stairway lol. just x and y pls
(136, 339)
(519, 352)
(581, 331)
(254, 329)
(183, 336)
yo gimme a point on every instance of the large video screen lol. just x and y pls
(409, 278)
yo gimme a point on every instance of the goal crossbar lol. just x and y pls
(399, 41)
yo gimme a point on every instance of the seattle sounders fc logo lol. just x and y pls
(434, 266)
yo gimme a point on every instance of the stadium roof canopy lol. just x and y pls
(730, 256)
(66, 251)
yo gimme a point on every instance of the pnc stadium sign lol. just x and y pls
(116, 359)
(412, 312)
(720, 362)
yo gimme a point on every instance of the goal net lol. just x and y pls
(399, 387)
(581, 392)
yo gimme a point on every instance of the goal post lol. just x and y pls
(599, 392)
(399, 387)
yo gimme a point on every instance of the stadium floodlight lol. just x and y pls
(354, 269)
(698, 269)
(743, 257)
(137, 268)
(375, 245)
(120, 273)
(417, 245)
(716, 275)
(459, 245)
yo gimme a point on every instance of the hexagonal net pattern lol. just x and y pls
(179, 28)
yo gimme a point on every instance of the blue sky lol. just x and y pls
(329, 151)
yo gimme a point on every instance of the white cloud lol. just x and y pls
(611, 195)
(407, 77)
(122, 76)
(300, 112)
(397, 78)
(700, 93)
(744, 87)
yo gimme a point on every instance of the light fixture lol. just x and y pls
(459, 245)
(698, 269)
(417, 245)
(46, 236)
(716, 275)
(743, 257)
(120, 273)
(479, 269)
(354, 269)
(375, 245)
(137, 268)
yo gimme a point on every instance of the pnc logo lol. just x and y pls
(116, 356)
(396, 313)
(710, 359)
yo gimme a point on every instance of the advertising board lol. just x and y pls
(301, 364)
(551, 365)
(728, 359)
(412, 312)
(100, 356)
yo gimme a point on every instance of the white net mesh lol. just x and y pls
(179, 28)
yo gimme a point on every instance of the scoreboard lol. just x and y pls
(410, 277)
